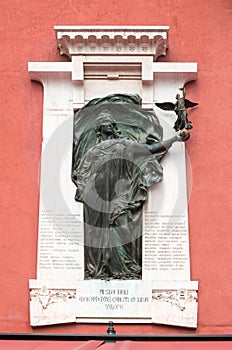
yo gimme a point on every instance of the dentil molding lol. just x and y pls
(116, 40)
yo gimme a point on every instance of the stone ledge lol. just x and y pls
(107, 40)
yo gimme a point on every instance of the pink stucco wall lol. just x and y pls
(200, 31)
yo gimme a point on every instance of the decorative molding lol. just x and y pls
(181, 298)
(47, 296)
(115, 40)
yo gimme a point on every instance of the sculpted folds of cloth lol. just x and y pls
(117, 149)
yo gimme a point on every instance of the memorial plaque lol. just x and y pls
(60, 246)
(131, 264)
(105, 300)
(166, 250)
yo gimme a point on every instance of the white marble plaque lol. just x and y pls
(113, 300)
(60, 250)
(60, 294)
(173, 303)
(165, 247)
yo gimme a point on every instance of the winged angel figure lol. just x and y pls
(180, 108)
(117, 148)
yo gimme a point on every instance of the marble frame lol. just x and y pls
(125, 59)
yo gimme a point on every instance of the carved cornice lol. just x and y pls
(116, 40)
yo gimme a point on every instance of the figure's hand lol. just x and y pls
(184, 135)
(119, 218)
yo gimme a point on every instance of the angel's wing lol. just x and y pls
(189, 104)
(167, 106)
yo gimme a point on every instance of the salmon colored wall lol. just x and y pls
(200, 31)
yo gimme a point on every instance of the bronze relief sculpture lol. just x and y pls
(117, 149)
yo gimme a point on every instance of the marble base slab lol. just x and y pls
(173, 302)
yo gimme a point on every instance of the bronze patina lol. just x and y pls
(117, 150)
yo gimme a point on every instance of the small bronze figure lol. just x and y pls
(180, 108)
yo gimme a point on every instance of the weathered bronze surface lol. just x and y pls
(180, 108)
(116, 157)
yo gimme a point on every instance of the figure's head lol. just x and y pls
(106, 125)
(105, 118)
(177, 96)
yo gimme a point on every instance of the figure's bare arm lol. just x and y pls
(155, 147)
(165, 145)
